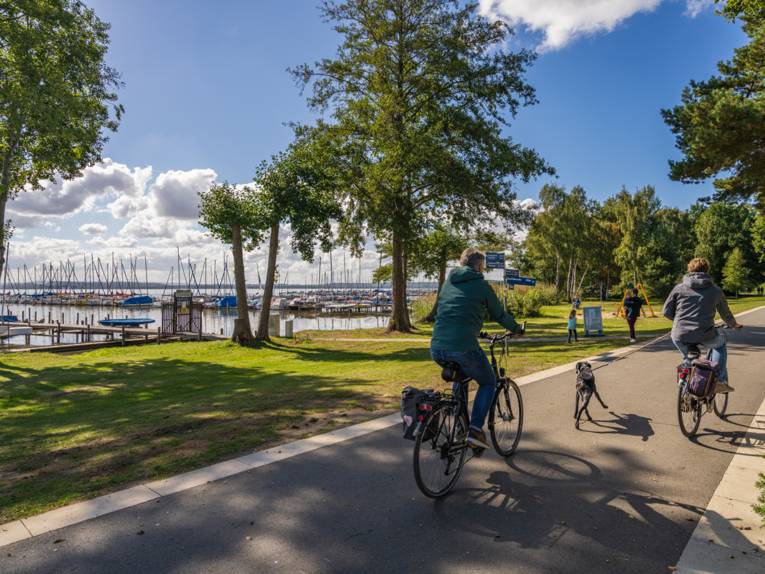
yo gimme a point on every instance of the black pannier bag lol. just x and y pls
(416, 404)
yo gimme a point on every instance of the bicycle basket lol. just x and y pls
(701, 382)
(415, 406)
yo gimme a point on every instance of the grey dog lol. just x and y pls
(585, 388)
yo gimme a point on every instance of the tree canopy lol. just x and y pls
(57, 95)
(718, 126)
(419, 93)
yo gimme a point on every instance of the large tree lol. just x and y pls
(57, 95)
(720, 228)
(635, 214)
(296, 188)
(719, 125)
(735, 274)
(234, 216)
(560, 238)
(420, 92)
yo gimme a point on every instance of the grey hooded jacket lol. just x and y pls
(692, 305)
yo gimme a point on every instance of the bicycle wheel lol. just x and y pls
(720, 404)
(688, 412)
(506, 418)
(439, 451)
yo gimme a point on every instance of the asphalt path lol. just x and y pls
(622, 495)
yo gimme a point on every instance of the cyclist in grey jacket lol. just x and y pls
(692, 306)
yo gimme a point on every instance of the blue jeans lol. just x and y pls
(719, 353)
(475, 364)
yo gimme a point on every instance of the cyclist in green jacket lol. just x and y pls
(463, 301)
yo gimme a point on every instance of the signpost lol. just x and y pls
(517, 280)
(593, 321)
(495, 260)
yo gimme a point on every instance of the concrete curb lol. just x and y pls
(25, 528)
(730, 538)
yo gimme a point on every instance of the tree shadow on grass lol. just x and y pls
(80, 429)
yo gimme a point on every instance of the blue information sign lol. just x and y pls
(593, 320)
(512, 273)
(527, 281)
(495, 260)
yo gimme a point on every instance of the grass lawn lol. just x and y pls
(79, 425)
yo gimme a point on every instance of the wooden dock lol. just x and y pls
(85, 333)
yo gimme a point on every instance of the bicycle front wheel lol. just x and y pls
(439, 451)
(688, 412)
(506, 418)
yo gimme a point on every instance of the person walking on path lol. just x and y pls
(572, 326)
(464, 299)
(692, 306)
(632, 306)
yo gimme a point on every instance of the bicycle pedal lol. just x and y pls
(477, 450)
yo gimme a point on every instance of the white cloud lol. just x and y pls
(561, 21)
(62, 198)
(126, 206)
(176, 193)
(696, 7)
(146, 226)
(93, 229)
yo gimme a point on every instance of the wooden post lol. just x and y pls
(123, 335)
(159, 334)
(58, 335)
(89, 336)
(77, 321)
(49, 316)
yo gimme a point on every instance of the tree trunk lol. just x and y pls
(399, 318)
(5, 190)
(242, 331)
(268, 291)
(441, 278)
(557, 274)
(568, 279)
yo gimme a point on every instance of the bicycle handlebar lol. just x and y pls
(497, 338)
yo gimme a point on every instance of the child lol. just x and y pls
(572, 326)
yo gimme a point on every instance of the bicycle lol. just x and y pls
(691, 408)
(441, 447)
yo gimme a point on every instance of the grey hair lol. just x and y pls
(471, 257)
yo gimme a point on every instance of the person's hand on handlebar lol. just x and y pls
(737, 325)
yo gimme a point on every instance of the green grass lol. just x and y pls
(79, 425)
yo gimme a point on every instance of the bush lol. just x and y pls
(422, 306)
(527, 301)
(759, 508)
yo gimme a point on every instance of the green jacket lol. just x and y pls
(463, 301)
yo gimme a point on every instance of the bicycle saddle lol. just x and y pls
(451, 372)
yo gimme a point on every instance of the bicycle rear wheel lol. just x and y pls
(439, 451)
(688, 412)
(720, 404)
(506, 418)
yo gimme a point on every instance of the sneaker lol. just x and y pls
(720, 387)
(633, 340)
(477, 438)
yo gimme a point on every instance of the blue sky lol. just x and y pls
(207, 95)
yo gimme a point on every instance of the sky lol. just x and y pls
(207, 96)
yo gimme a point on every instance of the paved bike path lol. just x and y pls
(620, 496)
